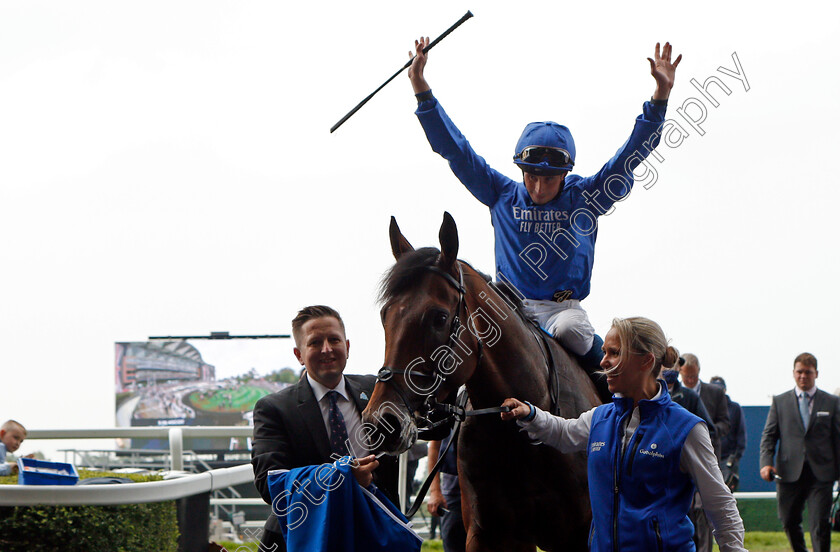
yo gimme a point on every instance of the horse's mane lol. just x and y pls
(410, 266)
(405, 272)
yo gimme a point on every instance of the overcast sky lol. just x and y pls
(167, 168)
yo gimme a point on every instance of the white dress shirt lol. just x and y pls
(351, 414)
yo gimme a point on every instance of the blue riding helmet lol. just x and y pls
(545, 148)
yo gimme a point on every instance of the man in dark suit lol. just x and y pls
(714, 399)
(687, 398)
(805, 422)
(298, 426)
(734, 443)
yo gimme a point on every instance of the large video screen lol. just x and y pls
(197, 383)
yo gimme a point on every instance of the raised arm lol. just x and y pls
(483, 182)
(415, 72)
(642, 141)
(663, 71)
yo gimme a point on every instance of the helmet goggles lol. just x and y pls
(538, 155)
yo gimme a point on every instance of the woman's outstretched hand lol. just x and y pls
(518, 409)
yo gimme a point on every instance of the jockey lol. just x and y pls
(545, 226)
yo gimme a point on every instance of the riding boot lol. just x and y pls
(591, 363)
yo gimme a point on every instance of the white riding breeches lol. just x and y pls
(566, 321)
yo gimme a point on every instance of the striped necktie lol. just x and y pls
(338, 430)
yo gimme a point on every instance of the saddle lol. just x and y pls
(588, 363)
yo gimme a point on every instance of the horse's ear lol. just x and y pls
(448, 241)
(399, 244)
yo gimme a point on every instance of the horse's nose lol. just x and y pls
(384, 433)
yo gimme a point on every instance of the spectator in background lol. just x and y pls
(714, 399)
(805, 423)
(415, 453)
(735, 442)
(687, 398)
(12, 434)
(445, 496)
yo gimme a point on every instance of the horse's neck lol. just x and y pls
(513, 362)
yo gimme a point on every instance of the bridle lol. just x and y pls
(438, 375)
(446, 412)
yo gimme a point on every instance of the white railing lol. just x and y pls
(754, 495)
(175, 435)
(167, 490)
(129, 493)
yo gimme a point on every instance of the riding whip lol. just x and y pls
(403, 68)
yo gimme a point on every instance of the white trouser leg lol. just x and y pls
(566, 321)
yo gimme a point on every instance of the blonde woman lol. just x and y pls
(646, 454)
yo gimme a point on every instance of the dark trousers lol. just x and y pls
(271, 542)
(452, 529)
(792, 498)
(702, 537)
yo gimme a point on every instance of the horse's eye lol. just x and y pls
(439, 320)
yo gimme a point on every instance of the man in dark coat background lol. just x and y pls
(714, 399)
(735, 442)
(295, 427)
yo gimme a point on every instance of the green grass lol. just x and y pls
(771, 541)
(242, 399)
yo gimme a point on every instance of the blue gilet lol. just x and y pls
(640, 498)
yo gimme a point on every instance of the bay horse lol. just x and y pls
(515, 495)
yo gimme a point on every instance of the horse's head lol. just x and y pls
(428, 353)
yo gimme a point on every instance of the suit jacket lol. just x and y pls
(820, 441)
(289, 432)
(689, 400)
(735, 442)
(714, 399)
